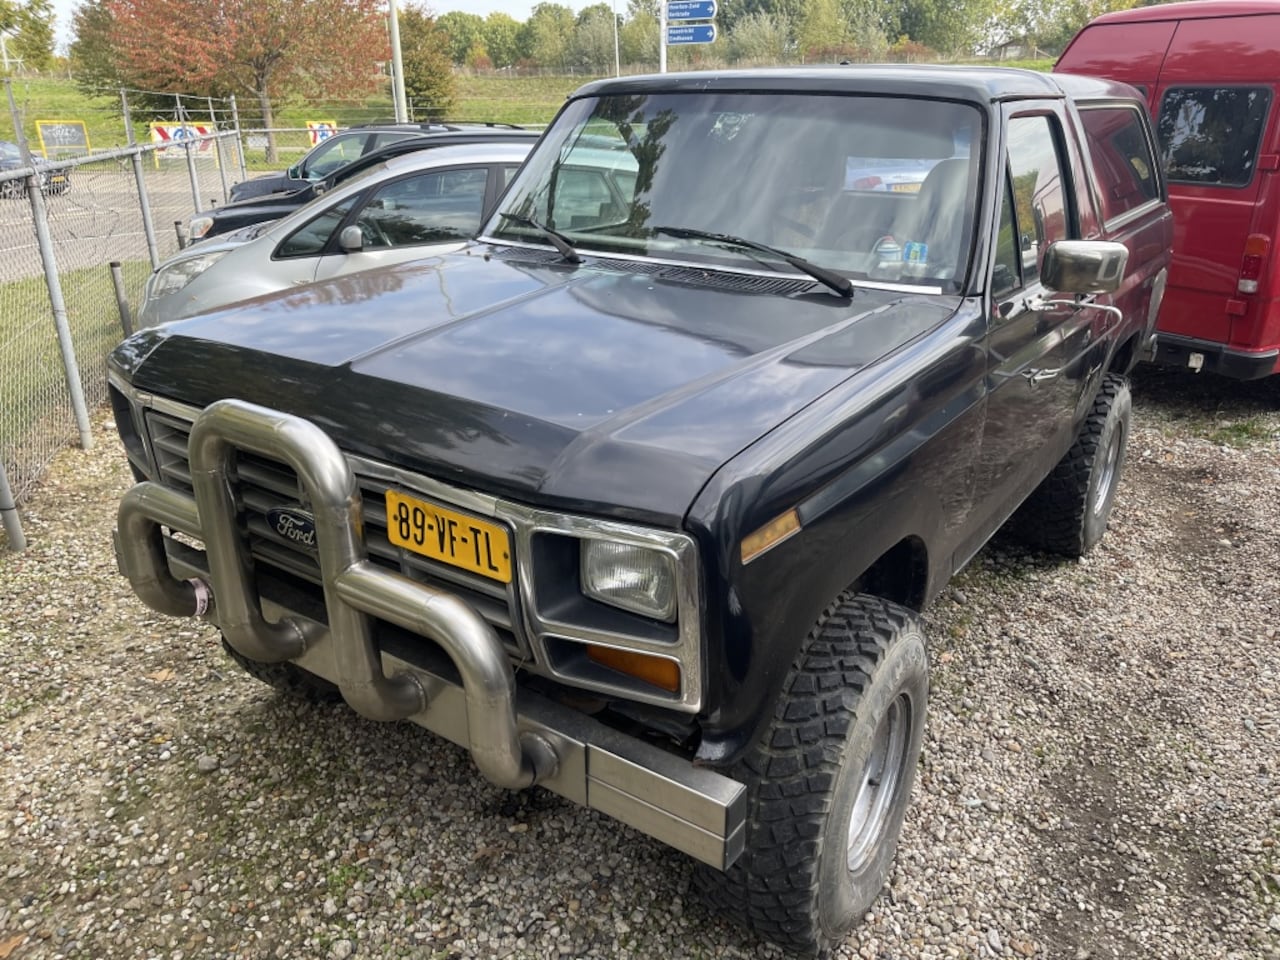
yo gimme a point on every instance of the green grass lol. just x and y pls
(26, 329)
(531, 100)
(1242, 433)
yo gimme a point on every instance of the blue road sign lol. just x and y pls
(691, 10)
(692, 33)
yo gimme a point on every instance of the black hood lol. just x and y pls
(591, 388)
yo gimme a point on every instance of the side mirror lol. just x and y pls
(351, 239)
(294, 172)
(1084, 266)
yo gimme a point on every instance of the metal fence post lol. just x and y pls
(235, 122)
(9, 515)
(191, 160)
(122, 298)
(50, 264)
(217, 153)
(144, 203)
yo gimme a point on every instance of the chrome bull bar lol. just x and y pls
(696, 810)
(354, 589)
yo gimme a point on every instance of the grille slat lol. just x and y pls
(264, 484)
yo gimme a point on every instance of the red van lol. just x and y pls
(1210, 71)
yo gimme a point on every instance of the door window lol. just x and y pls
(333, 153)
(310, 239)
(1121, 158)
(1210, 135)
(1040, 211)
(436, 207)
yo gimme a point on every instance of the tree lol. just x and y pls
(549, 35)
(639, 38)
(29, 33)
(822, 28)
(259, 47)
(592, 49)
(760, 38)
(502, 39)
(428, 70)
(95, 65)
(465, 30)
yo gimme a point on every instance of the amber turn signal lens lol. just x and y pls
(770, 535)
(658, 671)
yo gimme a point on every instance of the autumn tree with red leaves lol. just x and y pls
(268, 49)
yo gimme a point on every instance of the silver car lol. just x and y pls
(411, 206)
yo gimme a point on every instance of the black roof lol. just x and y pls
(981, 84)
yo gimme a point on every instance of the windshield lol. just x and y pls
(875, 188)
(9, 151)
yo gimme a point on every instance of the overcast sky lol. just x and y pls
(519, 9)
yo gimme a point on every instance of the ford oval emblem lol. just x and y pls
(296, 526)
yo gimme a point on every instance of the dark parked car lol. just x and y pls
(234, 216)
(51, 181)
(343, 148)
(639, 496)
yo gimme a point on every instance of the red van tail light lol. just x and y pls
(1255, 255)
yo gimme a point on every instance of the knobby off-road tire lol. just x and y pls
(288, 678)
(829, 781)
(1069, 511)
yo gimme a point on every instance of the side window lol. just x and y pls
(1210, 134)
(382, 139)
(336, 152)
(583, 198)
(1039, 204)
(1121, 159)
(309, 240)
(1006, 274)
(436, 207)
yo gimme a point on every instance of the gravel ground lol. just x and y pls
(1100, 778)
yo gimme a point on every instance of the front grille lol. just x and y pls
(262, 484)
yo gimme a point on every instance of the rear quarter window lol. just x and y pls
(1121, 156)
(1210, 135)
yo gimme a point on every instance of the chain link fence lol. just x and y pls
(63, 225)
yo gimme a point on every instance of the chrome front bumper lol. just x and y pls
(469, 696)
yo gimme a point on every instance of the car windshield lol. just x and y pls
(9, 151)
(874, 188)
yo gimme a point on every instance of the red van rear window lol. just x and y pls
(1210, 135)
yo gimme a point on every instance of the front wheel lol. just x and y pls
(1069, 511)
(829, 781)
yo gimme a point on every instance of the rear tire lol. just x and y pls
(288, 678)
(1069, 511)
(829, 781)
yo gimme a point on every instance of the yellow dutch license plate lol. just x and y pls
(905, 188)
(458, 539)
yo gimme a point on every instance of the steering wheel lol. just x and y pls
(370, 227)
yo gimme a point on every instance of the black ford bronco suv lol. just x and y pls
(637, 497)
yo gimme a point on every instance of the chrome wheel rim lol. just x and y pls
(1108, 476)
(881, 777)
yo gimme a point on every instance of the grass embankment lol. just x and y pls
(497, 98)
(532, 100)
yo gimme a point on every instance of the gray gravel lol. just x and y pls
(1100, 779)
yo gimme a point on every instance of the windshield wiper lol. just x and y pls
(841, 285)
(558, 239)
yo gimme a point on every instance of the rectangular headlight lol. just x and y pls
(634, 578)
